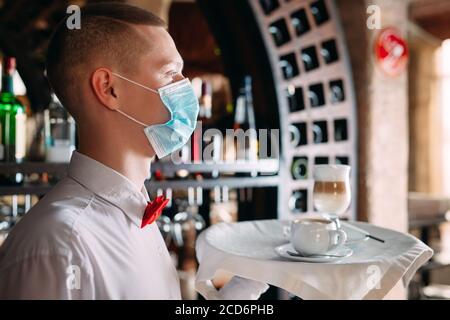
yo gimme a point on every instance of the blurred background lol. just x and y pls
(358, 82)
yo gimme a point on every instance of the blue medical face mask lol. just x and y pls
(180, 99)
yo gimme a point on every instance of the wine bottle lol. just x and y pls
(12, 119)
(269, 5)
(245, 120)
(212, 144)
(59, 132)
(206, 100)
(298, 201)
(320, 12)
(300, 22)
(299, 168)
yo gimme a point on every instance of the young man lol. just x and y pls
(120, 77)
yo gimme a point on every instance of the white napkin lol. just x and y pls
(246, 250)
(237, 288)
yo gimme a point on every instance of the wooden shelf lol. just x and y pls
(260, 166)
(166, 168)
(33, 167)
(267, 168)
(231, 182)
(38, 190)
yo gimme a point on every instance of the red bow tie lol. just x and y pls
(153, 210)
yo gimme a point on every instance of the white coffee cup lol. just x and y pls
(312, 236)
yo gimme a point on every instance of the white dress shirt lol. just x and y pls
(84, 240)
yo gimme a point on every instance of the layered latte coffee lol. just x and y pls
(332, 188)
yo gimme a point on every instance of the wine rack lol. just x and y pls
(312, 76)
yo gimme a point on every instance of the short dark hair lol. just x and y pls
(106, 35)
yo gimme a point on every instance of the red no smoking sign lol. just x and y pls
(391, 51)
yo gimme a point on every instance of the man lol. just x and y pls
(93, 236)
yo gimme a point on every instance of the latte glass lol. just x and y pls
(332, 194)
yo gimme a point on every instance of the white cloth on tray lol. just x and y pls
(247, 250)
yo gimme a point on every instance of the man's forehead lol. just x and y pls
(162, 48)
(155, 36)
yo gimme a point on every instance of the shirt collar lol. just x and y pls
(110, 185)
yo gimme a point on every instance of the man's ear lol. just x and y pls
(102, 83)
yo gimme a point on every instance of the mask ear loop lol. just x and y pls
(138, 84)
(131, 118)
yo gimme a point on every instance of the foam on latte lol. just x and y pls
(331, 172)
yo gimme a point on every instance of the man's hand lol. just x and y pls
(239, 288)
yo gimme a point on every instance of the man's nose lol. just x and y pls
(178, 77)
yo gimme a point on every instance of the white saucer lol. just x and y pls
(341, 251)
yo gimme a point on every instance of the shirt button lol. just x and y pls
(160, 249)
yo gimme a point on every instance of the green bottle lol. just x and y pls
(12, 116)
(12, 120)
